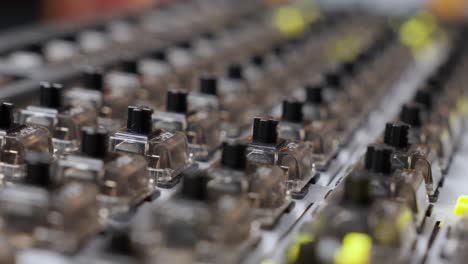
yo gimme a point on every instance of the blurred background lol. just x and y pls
(23, 12)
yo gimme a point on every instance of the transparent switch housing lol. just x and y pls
(229, 177)
(40, 213)
(167, 153)
(444, 129)
(388, 223)
(122, 86)
(206, 99)
(430, 145)
(294, 157)
(18, 141)
(61, 220)
(190, 228)
(63, 122)
(420, 157)
(110, 94)
(89, 91)
(335, 222)
(204, 102)
(201, 128)
(122, 180)
(156, 75)
(234, 98)
(325, 141)
(392, 180)
(15, 141)
(259, 83)
(436, 125)
(320, 134)
(276, 70)
(268, 193)
(263, 185)
(184, 63)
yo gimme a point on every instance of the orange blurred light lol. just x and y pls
(449, 9)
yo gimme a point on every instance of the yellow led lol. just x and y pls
(414, 34)
(292, 252)
(418, 31)
(460, 209)
(462, 199)
(289, 20)
(268, 261)
(462, 205)
(355, 249)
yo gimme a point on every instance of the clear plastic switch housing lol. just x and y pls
(167, 153)
(15, 141)
(40, 213)
(201, 128)
(294, 157)
(64, 122)
(122, 180)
